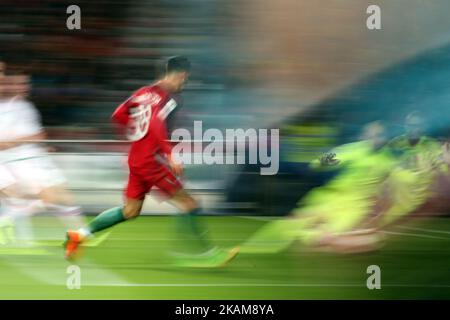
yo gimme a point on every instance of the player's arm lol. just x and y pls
(23, 140)
(121, 115)
(329, 160)
(158, 128)
(326, 161)
(338, 157)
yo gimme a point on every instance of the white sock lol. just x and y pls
(85, 232)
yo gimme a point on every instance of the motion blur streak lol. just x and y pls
(363, 119)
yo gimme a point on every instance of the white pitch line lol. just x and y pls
(423, 229)
(112, 239)
(413, 235)
(259, 218)
(167, 239)
(324, 285)
(221, 285)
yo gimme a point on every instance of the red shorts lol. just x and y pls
(140, 182)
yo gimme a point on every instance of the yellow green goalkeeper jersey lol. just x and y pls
(410, 182)
(426, 154)
(346, 200)
(362, 167)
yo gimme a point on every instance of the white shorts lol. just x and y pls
(32, 175)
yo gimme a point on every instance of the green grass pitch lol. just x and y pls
(132, 264)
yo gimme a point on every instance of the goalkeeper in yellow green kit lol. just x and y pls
(342, 205)
(421, 159)
(345, 214)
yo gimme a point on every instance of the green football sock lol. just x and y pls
(106, 219)
(191, 231)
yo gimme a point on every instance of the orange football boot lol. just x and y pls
(72, 244)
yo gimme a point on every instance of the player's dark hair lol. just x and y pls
(177, 64)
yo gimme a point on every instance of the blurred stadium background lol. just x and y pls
(310, 68)
(261, 64)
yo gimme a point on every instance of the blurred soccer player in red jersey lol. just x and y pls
(151, 165)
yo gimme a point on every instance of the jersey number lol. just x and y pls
(140, 122)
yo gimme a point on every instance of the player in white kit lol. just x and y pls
(29, 180)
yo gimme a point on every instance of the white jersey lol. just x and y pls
(19, 119)
(27, 165)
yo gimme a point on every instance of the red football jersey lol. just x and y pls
(144, 115)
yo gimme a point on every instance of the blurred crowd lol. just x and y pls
(313, 71)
